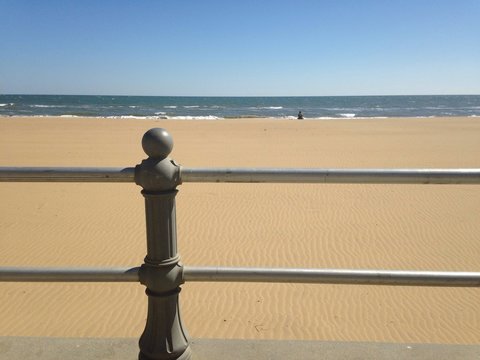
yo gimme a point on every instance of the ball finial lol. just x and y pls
(157, 143)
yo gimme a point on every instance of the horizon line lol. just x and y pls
(236, 96)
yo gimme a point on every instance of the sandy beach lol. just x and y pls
(397, 227)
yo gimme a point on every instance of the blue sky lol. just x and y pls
(240, 48)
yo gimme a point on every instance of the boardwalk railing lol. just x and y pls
(162, 273)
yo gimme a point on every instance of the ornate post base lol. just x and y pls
(164, 336)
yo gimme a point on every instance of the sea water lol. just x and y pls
(211, 108)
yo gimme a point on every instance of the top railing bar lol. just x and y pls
(331, 176)
(249, 175)
(66, 174)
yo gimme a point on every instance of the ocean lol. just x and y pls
(211, 108)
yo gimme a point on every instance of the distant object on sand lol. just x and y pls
(300, 116)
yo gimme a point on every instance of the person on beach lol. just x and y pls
(300, 116)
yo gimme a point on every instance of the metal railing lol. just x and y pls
(250, 175)
(162, 273)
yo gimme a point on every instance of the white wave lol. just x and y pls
(272, 107)
(68, 116)
(130, 117)
(48, 106)
(191, 106)
(334, 108)
(160, 113)
(208, 117)
(170, 106)
(159, 116)
(132, 106)
(136, 117)
(347, 115)
(10, 104)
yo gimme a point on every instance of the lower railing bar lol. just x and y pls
(351, 176)
(333, 276)
(66, 174)
(232, 274)
(18, 274)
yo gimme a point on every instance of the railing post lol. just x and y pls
(164, 336)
